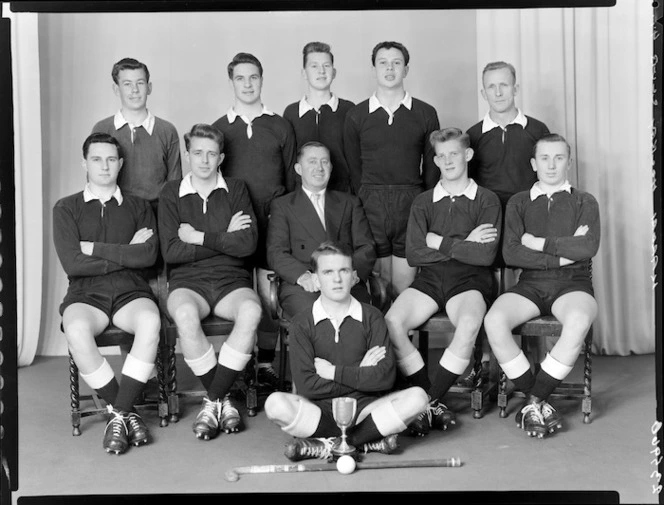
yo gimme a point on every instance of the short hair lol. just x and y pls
(128, 64)
(329, 248)
(101, 138)
(244, 58)
(497, 65)
(312, 143)
(552, 137)
(206, 131)
(451, 133)
(316, 47)
(390, 45)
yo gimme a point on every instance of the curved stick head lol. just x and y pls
(232, 476)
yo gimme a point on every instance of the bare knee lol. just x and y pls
(468, 326)
(419, 398)
(147, 328)
(186, 319)
(277, 408)
(250, 311)
(80, 336)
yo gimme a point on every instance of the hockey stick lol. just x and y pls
(234, 474)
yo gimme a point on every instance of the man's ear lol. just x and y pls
(298, 169)
(116, 89)
(533, 164)
(149, 88)
(316, 280)
(469, 153)
(221, 158)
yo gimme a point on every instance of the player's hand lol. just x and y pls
(532, 242)
(581, 230)
(190, 235)
(324, 368)
(566, 261)
(141, 236)
(306, 281)
(434, 240)
(239, 221)
(483, 234)
(87, 247)
(373, 356)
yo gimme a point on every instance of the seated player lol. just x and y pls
(341, 348)
(551, 231)
(296, 230)
(207, 230)
(452, 238)
(104, 238)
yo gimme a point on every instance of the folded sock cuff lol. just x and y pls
(230, 358)
(202, 365)
(100, 377)
(555, 368)
(387, 419)
(306, 421)
(137, 369)
(453, 363)
(516, 367)
(411, 363)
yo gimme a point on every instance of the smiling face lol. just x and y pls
(452, 159)
(334, 276)
(102, 164)
(390, 68)
(499, 90)
(314, 167)
(133, 89)
(247, 83)
(204, 157)
(552, 162)
(319, 72)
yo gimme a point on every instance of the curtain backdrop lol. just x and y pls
(28, 182)
(587, 74)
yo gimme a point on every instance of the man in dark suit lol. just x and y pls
(300, 221)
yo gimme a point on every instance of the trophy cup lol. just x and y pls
(343, 410)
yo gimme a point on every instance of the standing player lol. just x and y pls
(260, 150)
(208, 230)
(452, 238)
(104, 238)
(340, 347)
(150, 145)
(390, 159)
(503, 144)
(552, 232)
(320, 114)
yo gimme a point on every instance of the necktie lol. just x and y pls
(319, 207)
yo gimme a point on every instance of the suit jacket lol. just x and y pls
(295, 231)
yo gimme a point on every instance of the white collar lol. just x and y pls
(374, 103)
(88, 195)
(311, 193)
(232, 115)
(439, 192)
(354, 311)
(305, 106)
(489, 124)
(536, 190)
(148, 123)
(187, 188)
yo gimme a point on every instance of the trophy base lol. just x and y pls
(348, 450)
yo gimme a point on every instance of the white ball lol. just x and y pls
(346, 465)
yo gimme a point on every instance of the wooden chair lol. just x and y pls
(110, 337)
(212, 326)
(378, 292)
(549, 326)
(481, 389)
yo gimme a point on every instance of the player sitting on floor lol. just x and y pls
(452, 237)
(341, 348)
(551, 232)
(104, 238)
(208, 229)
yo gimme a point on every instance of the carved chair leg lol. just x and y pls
(502, 395)
(171, 389)
(74, 398)
(161, 379)
(587, 378)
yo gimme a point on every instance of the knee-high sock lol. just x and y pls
(204, 367)
(383, 420)
(326, 428)
(412, 367)
(135, 373)
(448, 371)
(518, 371)
(230, 364)
(549, 377)
(103, 381)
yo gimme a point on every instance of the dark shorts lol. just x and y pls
(449, 278)
(543, 288)
(212, 285)
(108, 293)
(387, 208)
(259, 258)
(326, 411)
